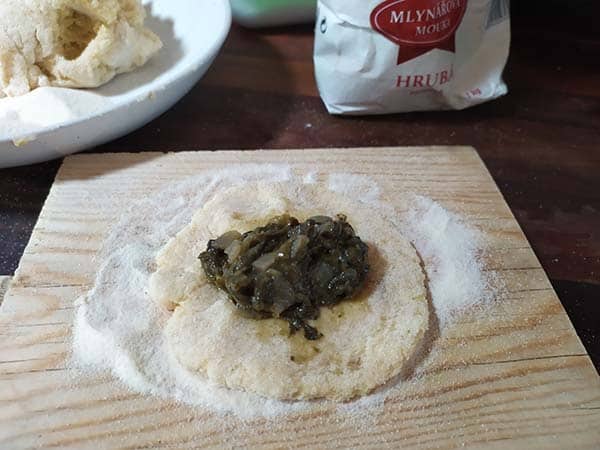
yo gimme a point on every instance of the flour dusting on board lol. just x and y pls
(119, 329)
(310, 178)
(354, 186)
(452, 257)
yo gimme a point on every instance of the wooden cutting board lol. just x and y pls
(515, 376)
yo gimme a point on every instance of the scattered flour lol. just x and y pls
(361, 186)
(119, 329)
(451, 253)
(310, 178)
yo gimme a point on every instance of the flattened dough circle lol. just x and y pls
(366, 341)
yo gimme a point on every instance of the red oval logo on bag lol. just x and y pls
(419, 26)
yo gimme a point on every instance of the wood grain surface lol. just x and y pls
(513, 376)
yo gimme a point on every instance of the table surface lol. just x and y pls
(541, 143)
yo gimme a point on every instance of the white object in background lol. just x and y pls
(50, 123)
(263, 13)
(387, 56)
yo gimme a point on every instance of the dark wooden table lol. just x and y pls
(541, 142)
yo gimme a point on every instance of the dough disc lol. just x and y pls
(366, 341)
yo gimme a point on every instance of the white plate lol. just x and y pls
(53, 122)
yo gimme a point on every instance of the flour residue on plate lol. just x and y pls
(120, 330)
(45, 108)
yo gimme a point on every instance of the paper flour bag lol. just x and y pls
(376, 57)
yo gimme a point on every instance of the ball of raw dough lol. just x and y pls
(70, 43)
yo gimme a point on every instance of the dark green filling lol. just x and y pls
(288, 269)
